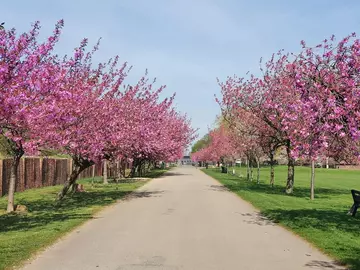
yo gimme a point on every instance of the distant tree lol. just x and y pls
(200, 144)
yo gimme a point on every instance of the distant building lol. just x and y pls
(186, 160)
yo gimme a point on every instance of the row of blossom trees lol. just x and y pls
(308, 103)
(82, 109)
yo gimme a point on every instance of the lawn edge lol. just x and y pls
(288, 229)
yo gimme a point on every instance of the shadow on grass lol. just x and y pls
(237, 184)
(323, 220)
(156, 173)
(149, 175)
(24, 222)
(43, 211)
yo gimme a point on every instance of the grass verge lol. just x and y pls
(323, 222)
(22, 235)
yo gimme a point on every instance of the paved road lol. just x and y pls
(185, 220)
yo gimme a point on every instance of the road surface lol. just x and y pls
(183, 220)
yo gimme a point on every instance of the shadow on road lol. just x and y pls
(257, 219)
(145, 194)
(324, 265)
(171, 173)
(218, 188)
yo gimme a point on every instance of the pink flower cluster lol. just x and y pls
(308, 102)
(84, 110)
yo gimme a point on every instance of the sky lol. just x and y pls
(188, 44)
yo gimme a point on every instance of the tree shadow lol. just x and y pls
(43, 211)
(257, 219)
(155, 173)
(144, 194)
(218, 188)
(323, 220)
(24, 222)
(324, 265)
(170, 173)
(237, 184)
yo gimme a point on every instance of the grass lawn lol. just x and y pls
(323, 222)
(21, 235)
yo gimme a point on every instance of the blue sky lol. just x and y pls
(188, 44)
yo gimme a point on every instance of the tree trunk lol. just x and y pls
(327, 162)
(93, 171)
(291, 171)
(122, 168)
(12, 183)
(149, 167)
(105, 179)
(258, 171)
(247, 170)
(251, 171)
(312, 184)
(79, 165)
(69, 182)
(118, 171)
(133, 168)
(114, 166)
(93, 175)
(141, 168)
(272, 172)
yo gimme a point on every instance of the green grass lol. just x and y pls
(323, 222)
(22, 235)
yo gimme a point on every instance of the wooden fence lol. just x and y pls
(35, 172)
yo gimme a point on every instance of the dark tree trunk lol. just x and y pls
(133, 168)
(13, 178)
(291, 171)
(251, 171)
(80, 164)
(139, 168)
(272, 172)
(251, 167)
(258, 170)
(247, 169)
(122, 168)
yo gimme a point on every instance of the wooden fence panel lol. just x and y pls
(35, 172)
(29, 174)
(38, 172)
